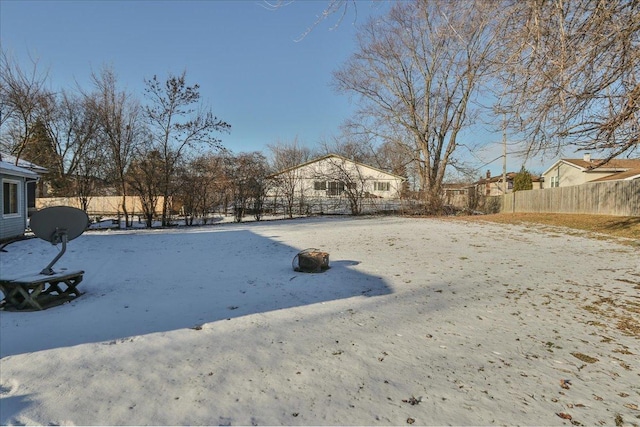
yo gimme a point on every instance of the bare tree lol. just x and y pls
(416, 71)
(22, 94)
(572, 74)
(356, 146)
(142, 176)
(177, 122)
(345, 174)
(247, 173)
(345, 180)
(259, 185)
(332, 8)
(70, 127)
(394, 157)
(90, 174)
(201, 185)
(120, 129)
(284, 159)
(387, 152)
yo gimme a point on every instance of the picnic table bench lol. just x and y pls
(39, 291)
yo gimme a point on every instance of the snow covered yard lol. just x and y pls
(419, 321)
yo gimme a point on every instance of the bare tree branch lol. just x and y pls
(573, 74)
(416, 71)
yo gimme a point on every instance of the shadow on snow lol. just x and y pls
(155, 282)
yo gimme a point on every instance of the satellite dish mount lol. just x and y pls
(58, 236)
(59, 224)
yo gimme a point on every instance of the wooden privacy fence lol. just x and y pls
(100, 205)
(621, 198)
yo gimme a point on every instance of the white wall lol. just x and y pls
(338, 169)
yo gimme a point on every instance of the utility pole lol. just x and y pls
(504, 155)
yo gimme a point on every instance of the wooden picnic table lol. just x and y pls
(39, 291)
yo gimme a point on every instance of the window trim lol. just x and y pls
(335, 188)
(320, 185)
(381, 186)
(6, 195)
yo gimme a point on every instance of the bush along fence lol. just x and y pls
(619, 198)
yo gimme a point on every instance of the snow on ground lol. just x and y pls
(419, 321)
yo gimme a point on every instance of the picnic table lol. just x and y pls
(39, 291)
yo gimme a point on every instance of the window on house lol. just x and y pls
(335, 188)
(555, 181)
(10, 197)
(319, 185)
(381, 186)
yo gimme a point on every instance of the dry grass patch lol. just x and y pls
(623, 312)
(584, 357)
(629, 326)
(627, 227)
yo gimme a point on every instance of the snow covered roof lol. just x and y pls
(8, 158)
(7, 168)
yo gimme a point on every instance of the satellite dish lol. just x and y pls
(49, 223)
(58, 224)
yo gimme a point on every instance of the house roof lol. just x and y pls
(616, 164)
(626, 175)
(620, 168)
(328, 156)
(456, 185)
(498, 178)
(8, 158)
(612, 165)
(7, 168)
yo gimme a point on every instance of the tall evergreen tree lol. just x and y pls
(522, 180)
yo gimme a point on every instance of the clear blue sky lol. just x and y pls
(251, 70)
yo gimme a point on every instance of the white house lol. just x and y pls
(14, 193)
(333, 177)
(568, 172)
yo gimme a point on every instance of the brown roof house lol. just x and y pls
(493, 186)
(568, 172)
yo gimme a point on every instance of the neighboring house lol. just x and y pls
(456, 195)
(14, 190)
(493, 186)
(568, 172)
(333, 177)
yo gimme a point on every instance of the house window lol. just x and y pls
(335, 188)
(381, 186)
(555, 181)
(10, 197)
(319, 185)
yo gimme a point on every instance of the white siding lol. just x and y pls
(569, 175)
(337, 169)
(13, 225)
